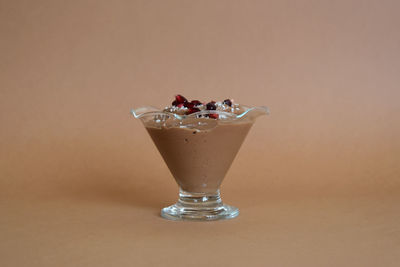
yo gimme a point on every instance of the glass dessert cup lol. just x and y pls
(198, 150)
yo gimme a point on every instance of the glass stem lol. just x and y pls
(200, 200)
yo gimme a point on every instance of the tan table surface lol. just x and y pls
(317, 182)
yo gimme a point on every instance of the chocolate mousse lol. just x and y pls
(199, 157)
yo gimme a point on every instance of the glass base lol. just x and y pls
(199, 207)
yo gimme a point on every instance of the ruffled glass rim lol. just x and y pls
(147, 111)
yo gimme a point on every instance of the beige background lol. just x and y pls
(317, 182)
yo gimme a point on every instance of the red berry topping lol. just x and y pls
(188, 105)
(211, 106)
(195, 102)
(213, 116)
(227, 102)
(180, 99)
(180, 105)
(192, 110)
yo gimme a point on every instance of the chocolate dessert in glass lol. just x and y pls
(199, 141)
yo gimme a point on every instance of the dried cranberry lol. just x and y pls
(195, 103)
(180, 99)
(192, 110)
(211, 106)
(227, 102)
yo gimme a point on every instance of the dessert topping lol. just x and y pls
(227, 102)
(192, 110)
(182, 106)
(196, 103)
(179, 99)
(211, 106)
